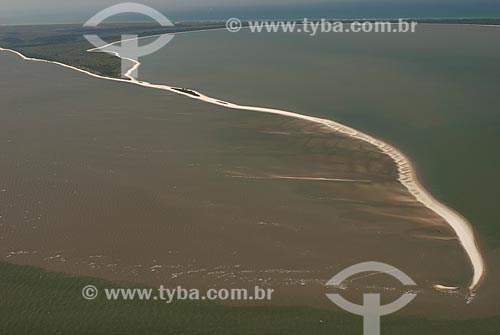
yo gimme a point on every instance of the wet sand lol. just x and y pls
(431, 94)
(137, 185)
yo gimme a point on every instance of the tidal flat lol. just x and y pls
(146, 187)
(432, 94)
(136, 185)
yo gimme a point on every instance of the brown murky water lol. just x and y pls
(136, 185)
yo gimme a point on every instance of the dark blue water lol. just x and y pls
(348, 10)
(205, 10)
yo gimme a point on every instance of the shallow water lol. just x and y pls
(172, 184)
(132, 184)
(432, 94)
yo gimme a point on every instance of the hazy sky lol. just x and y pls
(60, 11)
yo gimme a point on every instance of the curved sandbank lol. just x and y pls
(406, 173)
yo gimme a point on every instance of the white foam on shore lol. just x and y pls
(446, 289)
(341, 180)
(407, 175)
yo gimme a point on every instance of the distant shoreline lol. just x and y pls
(435, 20)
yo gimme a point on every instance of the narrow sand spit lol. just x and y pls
(407, 175)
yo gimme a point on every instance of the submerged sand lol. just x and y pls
(131, 184)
